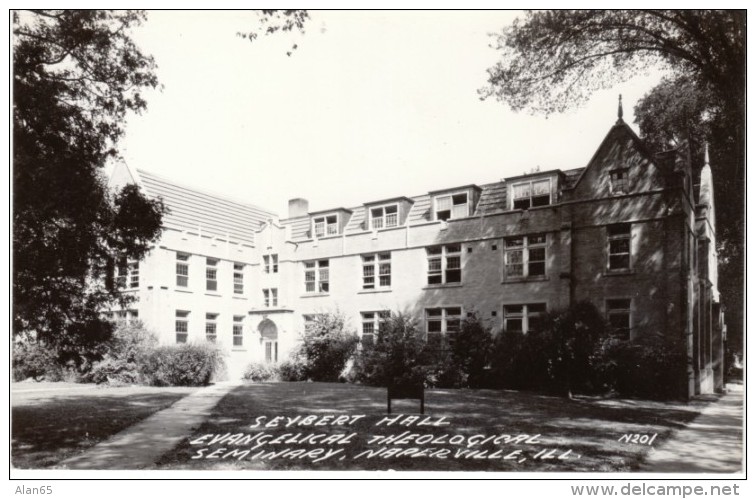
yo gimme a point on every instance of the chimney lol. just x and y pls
(298, 207)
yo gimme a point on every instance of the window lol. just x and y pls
(182, 269)
(271, 351)
(384, 216)
(443, 320)
(128, 274)
(238, 278)
(531, 194)
(371, 323)
(270, 297)
(211, 275)
(379, 265)
(238, 330)
(452, 206)
(326, 226)
(182, 326)
(133, 316)
(270, 263)
(619, 246)
(619, 181)
(444, 264)
(525, 256)
(316, 277)
(523, 318)
(211, 327)
(618, 315)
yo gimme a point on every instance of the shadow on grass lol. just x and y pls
(55, 426)
(589, 428)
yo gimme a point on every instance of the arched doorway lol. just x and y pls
(269, 338)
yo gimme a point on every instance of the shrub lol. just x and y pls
(471, 353)
(398, 354)
(128, 347)
(35, 360)
(327, 346)
(563, 355)
(259, 371)
(189, 364)
(649, 367)
(293, 369)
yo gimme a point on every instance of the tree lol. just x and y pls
(554, 60)
(76, 74)
(273, 21)
(327, 346)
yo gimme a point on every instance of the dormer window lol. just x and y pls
(619, 179)
(326, 226)
(531, 194)
(384, 216)
(452, 206)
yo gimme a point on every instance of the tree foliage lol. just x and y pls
(553, 60)
(76, 74)
(273, 21)
(327, 345)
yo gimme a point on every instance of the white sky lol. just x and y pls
(371, 105)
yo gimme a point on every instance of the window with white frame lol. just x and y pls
(238, 330)
(270, 297)
(443, 320)
(211, 275)
(316, 276)
(238, 278)
(531, 194)
(618, 312)
(384, 216)
(371, 323)
(182, 326)
(270, 264)
(525, 256)
(618, 238)
(325, 225)
(182, 269)
(128, 274)
(452, 206)
(376, 271)
(211, 327)
(444, 264)
(619, 180)
(523, 318)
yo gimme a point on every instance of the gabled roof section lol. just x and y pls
(619, 130)
(192, 209)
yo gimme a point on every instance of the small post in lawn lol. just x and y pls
(406, 390)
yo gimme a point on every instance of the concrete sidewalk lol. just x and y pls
(139, 446)
(711, 443)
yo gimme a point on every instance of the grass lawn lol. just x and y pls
(53, 421)
(584, 431)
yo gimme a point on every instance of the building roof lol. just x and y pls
(192, 209)
(493, 199)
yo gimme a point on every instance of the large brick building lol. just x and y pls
(633, 232)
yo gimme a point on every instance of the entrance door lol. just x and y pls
(269, 337)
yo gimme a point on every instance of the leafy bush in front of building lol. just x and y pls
(188, 364)
(293, 369)
(261, 371)
(397, 355)
(126, 350)
(651, 367)
(471, 352)
(327, 346)
(562, 356)
(32, 359)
